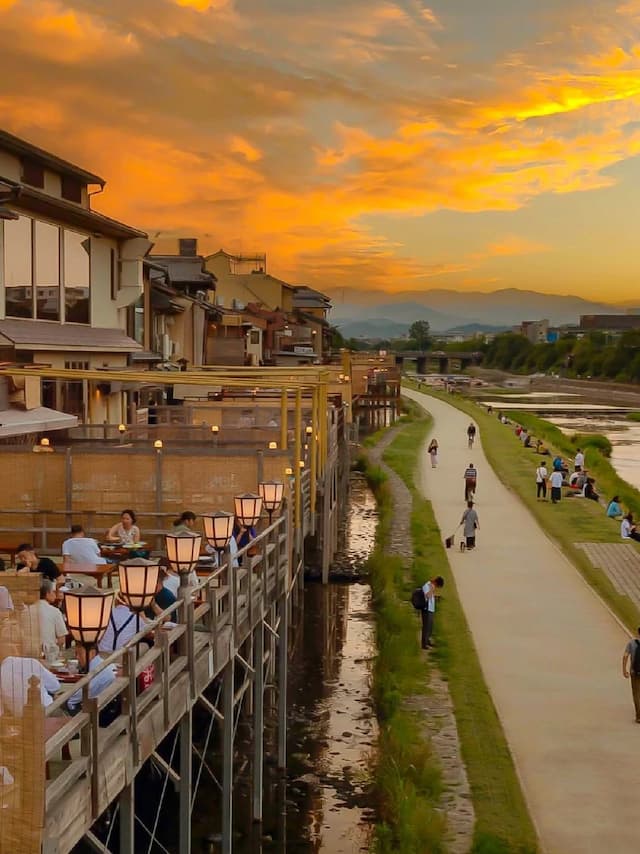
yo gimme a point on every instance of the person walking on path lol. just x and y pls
(433, 452)
(632, 656)
(471, 434)
(470, 482)
(541, 482)
(556, 486)
(428, 612)
(471, 525)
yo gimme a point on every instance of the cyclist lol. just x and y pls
(471, 433)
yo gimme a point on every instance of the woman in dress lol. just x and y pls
(471, 525)
(433, 452)
(125, 531)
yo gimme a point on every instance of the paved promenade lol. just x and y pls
(550, 651)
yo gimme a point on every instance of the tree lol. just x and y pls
(419, 331)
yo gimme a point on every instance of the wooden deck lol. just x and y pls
(187, 658)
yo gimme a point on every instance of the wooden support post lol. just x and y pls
(296, 468)
(283, 642)
(127, 819)
(186, 734)
(313, 447)
(284, 419)
(258, 720)
(227, 757)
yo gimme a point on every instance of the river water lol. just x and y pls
(575, 413)
(324, 803)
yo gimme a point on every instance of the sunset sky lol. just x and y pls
(364, 145)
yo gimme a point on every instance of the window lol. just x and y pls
(47, 270)
(71, 189)
(18, 267)
(76, 366)
(77, 271)
(255, 336)
(33, 173)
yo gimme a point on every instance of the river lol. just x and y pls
(576, 413)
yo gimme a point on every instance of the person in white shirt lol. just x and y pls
(80, 549)
(53, 630)
(556, 486)
(123, 625)
(578, 463)
(98, 684)
(233, 551)
(541, 482)
(6, 602)
(428, 612)
(15, 673)
(628, 530)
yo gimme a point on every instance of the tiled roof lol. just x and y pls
(65, 336)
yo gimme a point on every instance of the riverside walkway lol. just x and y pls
(550, 651)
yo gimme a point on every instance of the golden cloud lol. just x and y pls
(294, 140)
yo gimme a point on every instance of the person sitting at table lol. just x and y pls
(163, 599)
(99, 683)
(80, 549)
(53, 629)
(614, 510)
(15, 673)
(6, 602)
(123, 625)
(233, 552)
(26, 558)
(243, 536)
(125, 531)
(185, 524)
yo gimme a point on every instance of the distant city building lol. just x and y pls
(610, 322)
(536, 331)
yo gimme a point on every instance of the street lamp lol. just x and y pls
(158, 444)
(273, 446)
(271, 492)
(138, 581)
(218, 530)
(88, 611)
(248, 509)
(309, 430)
(183, 553)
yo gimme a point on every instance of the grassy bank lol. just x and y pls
(571, 521)
(408, 780)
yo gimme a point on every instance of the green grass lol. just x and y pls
(407, 778)
(571, 521)
(633, 416)
(503, 824)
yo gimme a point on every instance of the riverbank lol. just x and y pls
(550, 652)
(502, 823)
(571, 522)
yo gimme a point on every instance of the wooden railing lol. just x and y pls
(225, 607)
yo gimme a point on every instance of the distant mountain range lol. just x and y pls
(447, 310)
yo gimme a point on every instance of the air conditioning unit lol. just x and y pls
(220, 300)
(238, 305)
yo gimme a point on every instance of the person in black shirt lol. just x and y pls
(26, 557)
(164, 598)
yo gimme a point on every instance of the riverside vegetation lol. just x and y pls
(408, 779)
(569, 522)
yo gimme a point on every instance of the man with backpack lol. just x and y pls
(632, 656)
(429, 608)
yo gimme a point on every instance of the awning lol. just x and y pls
(49, 335)
(16, 422)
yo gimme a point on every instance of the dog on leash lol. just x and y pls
(463, 545)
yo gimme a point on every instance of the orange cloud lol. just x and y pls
(291, 129)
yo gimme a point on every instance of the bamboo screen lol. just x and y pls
(22, 721)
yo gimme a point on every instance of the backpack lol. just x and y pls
(418, 600)
(635, 661)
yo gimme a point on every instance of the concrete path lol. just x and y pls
(550, 651)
